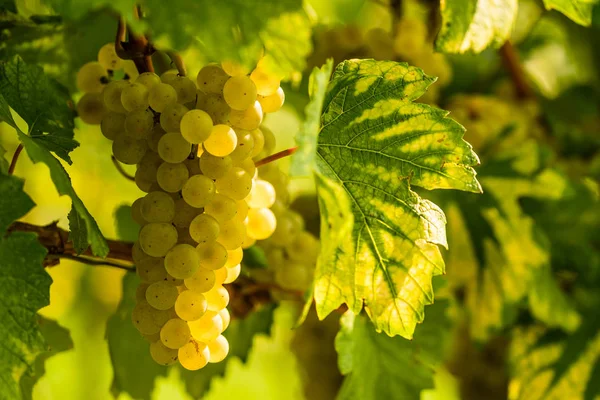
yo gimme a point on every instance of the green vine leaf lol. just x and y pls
(3, 161)
(77, 231)
(380, 238)
(14, 202)
(579, 11)
(474, 25)
(42, 103)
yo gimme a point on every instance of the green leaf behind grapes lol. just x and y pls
(303, 160)
(376, 365)
(14, 202)
(3, 161)
(379, 237)
(474, 25)
(579, 11)
(127, 228)
(42, 103)
(77, 231)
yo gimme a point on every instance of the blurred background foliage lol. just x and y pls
(523, 269)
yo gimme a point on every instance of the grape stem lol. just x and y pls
(15, 158)
(121, 170)
(137, 48)
(178, 61)
(276, 156)
(511, 61)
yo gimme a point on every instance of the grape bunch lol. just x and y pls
(193, 144)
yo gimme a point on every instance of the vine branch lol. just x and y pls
(15, 158)
(511, 61)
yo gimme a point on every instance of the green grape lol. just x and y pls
(185, 88)
(269, 140)
(294, 276)
(233, 273)
(212, 78)
(239, 92)
(242, 210)
(158, 207)
(259, 142)
(140, 292)
(232, 234)
(218, 349)
(143, 184)
(112, 96)
(91, 109)
(262, 195)
(161, 95)
(214, 167)
(182, 261)
(233, 68)
(162, 295)
(221, 207)
(152, 269)
(304, 247)
(220, 276)
(173, 148)
(92, 77)
(208, 327)
(136, 213)
(162, 316)
(171, 117)
(130, 69)
(148, 166)
(273, 102)
(261, 223)
(163, 355)
(217, 298)
(137, 254)
(175, 333)
(221, 142)
(247, 165)
(202, 281)
(198, 191)
(154, 137)
(204, 228)
(172, 177)
(143, 320)
(148, 79)
(225, 317)
(139, 124)
(129, 150)
(168, 76)
(135, 97)
(112, 125)
(190, 305)
(157, 238)
(285, 232)
(214, 105)
(234, 257)
(193, 355)
(108, 58)
(266, 84)
(245, 145)
(236, 183)
(196, 126)
(193, 165)
(184, 214)
(212, 255)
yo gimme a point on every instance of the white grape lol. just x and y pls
(198, 191)
(239, 92)
(196, 126)
(129, 150)
(221, 142)
(157, 207)
(182, 261)
(157, 238)
(91, 109)
(173, 148)
(108, 58)
(135, 97)
(211, 78)
(172, 177)
(92, 78)
(204, 228)
(171, 117)
(161, 96)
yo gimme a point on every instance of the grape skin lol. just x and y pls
(91, 109)
(156, 239)
(90, 77)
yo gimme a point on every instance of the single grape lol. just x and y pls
(233, 273)
(163, 355)
(266, 84)
(142, 319)
(138, 124)
(172, 177)
(232, 234)
(162, 295)
(113, 124)
(233, 68)
(239, 92)
(173, 148)
(185, 88)
(214, 167)
(158, 207)
(175, 333)
(202, 281)
(208, 327)
(221, 207)
(108, 58)
(234, 257)
(171, 117)
(190, 305)
(198, 191)
(129, 150)
(221, 142)
(212, 255)
(262, 195)
(152, 269)
(143, 184)
(136, 213)
(196, 126)
(211, 78)
(218, 349)
(154, 137)
(204, 228)
(214, 105)
(161, 95)
(157, 238)
(135, 97)
(184, 213)
(112, 96)
(91, 109)
(273, 102)
(193, 355)
(270, 140)
(245, 145)
(304, 247)
(236, 183)
(217, 298)
(259, 142)
(92, 78)
(261, 223)
(169, 75)
(148, 79)
(182, 261)
(148, 166)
